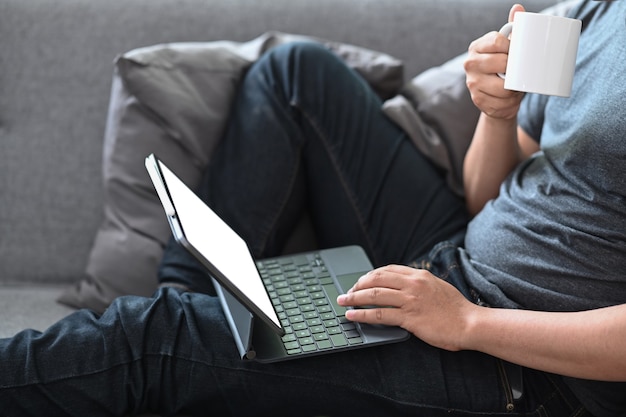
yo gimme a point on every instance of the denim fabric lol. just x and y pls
(173, 354)
(306, 133)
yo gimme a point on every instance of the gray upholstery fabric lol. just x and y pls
(15, 300)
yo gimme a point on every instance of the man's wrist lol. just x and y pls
(475, 324)
(500, 122)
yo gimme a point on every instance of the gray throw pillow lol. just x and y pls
(437, 113)
(164, 99)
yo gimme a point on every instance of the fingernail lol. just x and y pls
(341, 299)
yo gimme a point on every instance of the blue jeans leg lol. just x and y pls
(173, 354)
(307, 134)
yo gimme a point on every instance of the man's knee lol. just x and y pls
(299, 57)
(302, 50)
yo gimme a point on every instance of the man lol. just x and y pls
(538, 281)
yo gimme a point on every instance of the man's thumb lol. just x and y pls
(516, 8)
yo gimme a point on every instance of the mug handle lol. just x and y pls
(506, 31)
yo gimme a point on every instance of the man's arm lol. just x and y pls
(498, 145)
(588, 344)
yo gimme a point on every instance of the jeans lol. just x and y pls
(306, 134)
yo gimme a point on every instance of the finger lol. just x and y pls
(376, 296)
(489, 58)
(502, 108)
(386, 316)
(516, 8)
(390, 276)
(492, 89)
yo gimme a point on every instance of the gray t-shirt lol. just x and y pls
(555, 238)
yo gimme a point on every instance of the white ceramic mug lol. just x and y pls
(542, 54)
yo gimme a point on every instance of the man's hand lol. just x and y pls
(487, 56)
(430, 308)
(586, 344)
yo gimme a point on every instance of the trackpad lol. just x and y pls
(348, 280)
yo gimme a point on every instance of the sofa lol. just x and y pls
(56, 86)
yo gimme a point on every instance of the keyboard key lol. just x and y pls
(307, 308)
(309, 348)
(338, 340)
(296, 319)
(348, 326)
(326, 280)
(290, 304)
(283, 291)
(331, 323)
(303, 333)
(321, 302)
(306, 341)
(327, 316)
(320, 336)
(317, 329)
(289, 338)
(300, 260)
(333, 330)
(292, 345)
(304, 300)
(324, 344)
(293, 312)
(300, 326)
(355, 341)
(314, 322)
(351, 334)
(287, 297)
